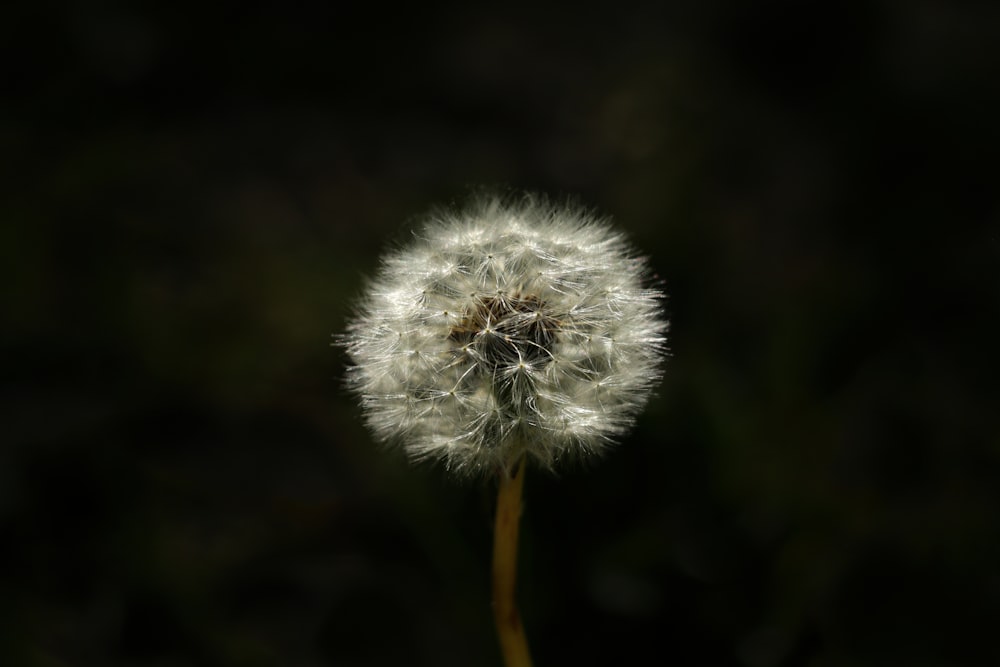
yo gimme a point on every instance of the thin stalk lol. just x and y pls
(513, 643)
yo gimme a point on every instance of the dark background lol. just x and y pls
(191, 194)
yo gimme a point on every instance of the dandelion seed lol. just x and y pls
(535, 320)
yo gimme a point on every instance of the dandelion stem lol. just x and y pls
(513, 642)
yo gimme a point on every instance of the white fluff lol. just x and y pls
(509, 327)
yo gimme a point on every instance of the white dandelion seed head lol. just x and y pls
(507, 328)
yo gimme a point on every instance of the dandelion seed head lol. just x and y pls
(507, 328)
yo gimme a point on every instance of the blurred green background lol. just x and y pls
(191, 195)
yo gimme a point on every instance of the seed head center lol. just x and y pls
(507, 330)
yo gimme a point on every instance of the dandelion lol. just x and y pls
(507, 329)
(507, 332)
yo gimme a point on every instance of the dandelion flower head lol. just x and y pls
(507, 328)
